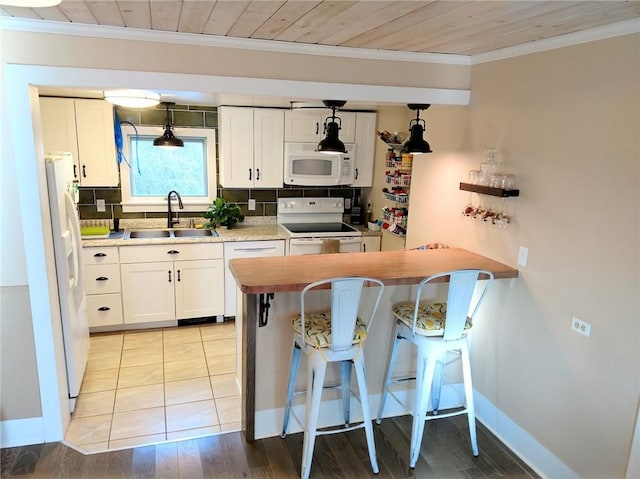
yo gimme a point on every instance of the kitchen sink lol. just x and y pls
(149, 234)
(189, 232)
(170, 233)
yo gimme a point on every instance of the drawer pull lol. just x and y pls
(99, 255)
(102, 278)
(173, 251)
(104, 308)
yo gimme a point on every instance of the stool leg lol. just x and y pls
(293, 374)
(315, 373)
(387, 382)
(424, 379)
(366, 411)
(438, 377)
(345, 381)
(468, 392)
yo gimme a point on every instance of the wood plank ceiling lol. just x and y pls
(440, 26)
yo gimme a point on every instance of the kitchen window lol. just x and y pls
(149, 172)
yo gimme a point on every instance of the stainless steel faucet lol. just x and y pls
(170, 220)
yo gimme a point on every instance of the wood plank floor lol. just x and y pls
(445, 454)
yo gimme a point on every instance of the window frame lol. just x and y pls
(159, 203)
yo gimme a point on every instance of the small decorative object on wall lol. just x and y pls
(221, 213)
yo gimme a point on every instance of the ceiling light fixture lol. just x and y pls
(331, 143)
(168, 139)
(416, 143)
(132, 98)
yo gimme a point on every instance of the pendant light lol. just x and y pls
(131, 98)
(416, 143)
(168, 139)
(331, 143)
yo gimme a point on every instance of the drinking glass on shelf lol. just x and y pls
(474, 177)
(496, 180)
(509, 182)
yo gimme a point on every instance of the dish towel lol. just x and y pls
(330, 246)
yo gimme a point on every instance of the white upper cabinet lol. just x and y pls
(85, 128)
(365, 149)
(251, 147)
(307, 126)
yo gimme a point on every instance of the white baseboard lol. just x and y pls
(519, 441)
(21, 432)
(269, 424)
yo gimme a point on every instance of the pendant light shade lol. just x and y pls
(331, 143)
(168, 139)
(132, 98)
(416, 143)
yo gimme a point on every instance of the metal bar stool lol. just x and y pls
(336, 335)
(436, 329)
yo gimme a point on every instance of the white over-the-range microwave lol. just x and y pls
(305, 166)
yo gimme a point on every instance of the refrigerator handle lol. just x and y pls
(74, 227)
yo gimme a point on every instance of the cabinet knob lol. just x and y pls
(104, 308)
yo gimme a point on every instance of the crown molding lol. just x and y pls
(122, 33)
(626, 27)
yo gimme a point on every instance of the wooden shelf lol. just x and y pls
(488, 190)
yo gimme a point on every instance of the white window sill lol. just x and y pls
(154, 207)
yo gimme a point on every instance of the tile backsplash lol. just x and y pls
(200, 117)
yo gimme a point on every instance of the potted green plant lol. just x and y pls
(222, 213)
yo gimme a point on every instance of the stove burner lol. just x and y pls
(312, 228)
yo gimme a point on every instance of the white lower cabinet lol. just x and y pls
(165, 283)
(370, 243)
(102, 287)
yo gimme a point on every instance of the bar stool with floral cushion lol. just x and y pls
(334, 335)
(435, 329)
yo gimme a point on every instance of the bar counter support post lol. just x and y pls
(249, 329)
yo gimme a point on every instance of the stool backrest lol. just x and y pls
(346, 293)
(460, 304)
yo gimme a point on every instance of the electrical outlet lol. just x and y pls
(580, 326)
(252, 205)
(523, 256)
(100, 206)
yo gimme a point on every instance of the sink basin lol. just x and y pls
(149, 234)
(171, 233)
(191, 232)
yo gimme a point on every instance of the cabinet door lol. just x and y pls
(370, 243)
(268, 135)
(365, 149)
(236, 147)
(96, 144)
(199, 287)
(58, 116)
(147, 292)
(307, 126)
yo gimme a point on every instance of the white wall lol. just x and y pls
(566, 122)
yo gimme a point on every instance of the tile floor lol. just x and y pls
(143, 387)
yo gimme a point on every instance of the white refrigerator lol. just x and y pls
(63, 194)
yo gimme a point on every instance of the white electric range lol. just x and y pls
(317, 222)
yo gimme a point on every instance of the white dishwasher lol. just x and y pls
(244, 249)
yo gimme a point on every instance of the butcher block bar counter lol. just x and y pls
(266, 350)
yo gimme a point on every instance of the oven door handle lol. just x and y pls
(319, 241)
